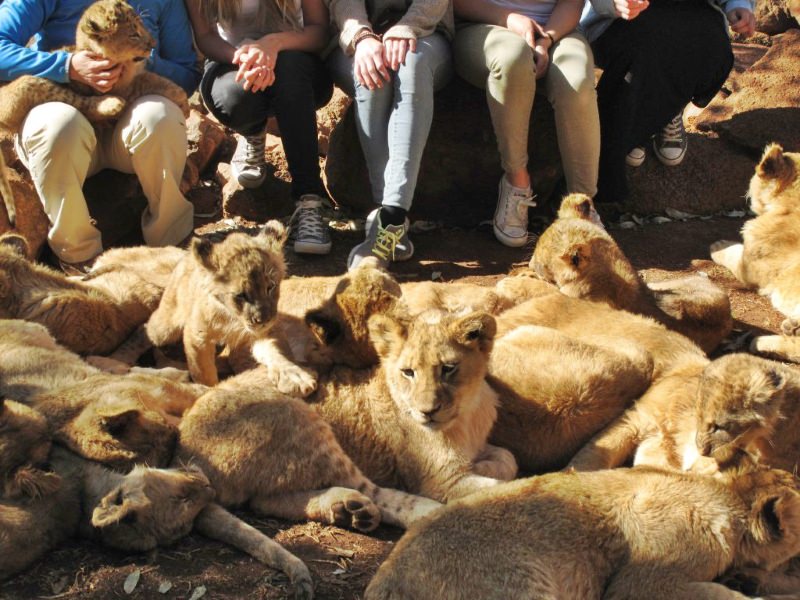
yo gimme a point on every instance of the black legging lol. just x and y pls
(672, 53)
(301, 86)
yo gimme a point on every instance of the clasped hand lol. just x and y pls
(534, 36)
(256, 62)
(374, 59)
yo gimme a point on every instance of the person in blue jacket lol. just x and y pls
(656, 56)
(61, 148)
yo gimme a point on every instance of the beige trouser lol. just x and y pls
(494, 58)
(61, 149)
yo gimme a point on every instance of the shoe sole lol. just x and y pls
(311, 248)
(509, 241)
(671, 162)
(634, 162)
(250, 184)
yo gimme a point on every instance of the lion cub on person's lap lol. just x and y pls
(769, 256)
(617, 534)
(226, 292)
(111, 29)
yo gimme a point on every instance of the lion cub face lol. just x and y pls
(113, 29)
(740, 402)
(246, 272)
(152, 507)
(434, 362)
(776, 182)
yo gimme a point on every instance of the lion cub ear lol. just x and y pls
(774, 165)
(114, 508)
(203, 251)
(274, 234)
(777, 517)
(326, 330)
(15, 242)
(578, 256)
(386, 332)
(476, 330)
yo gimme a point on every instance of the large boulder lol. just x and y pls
(205, 137)
(765, 104)
(460, 166)
(31, 221)
(774, 16)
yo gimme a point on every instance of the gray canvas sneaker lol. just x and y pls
(307, 228)
(248, 164)
(670, 144)
(386, 244)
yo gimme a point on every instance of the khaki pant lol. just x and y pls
(61, 149)
(494, 58)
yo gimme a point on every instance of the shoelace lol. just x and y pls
(385, 242)
(255, 150)
(516, 206)
(673, 131)
(307, 219)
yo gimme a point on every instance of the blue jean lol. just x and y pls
(393, 122)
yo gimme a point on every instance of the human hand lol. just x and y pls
(94, 70)
(258, 78)
(395, 50)
(262, 53)
(630, 9)
(742, 21)
(369, 66)
(525, 27)
(541, 58)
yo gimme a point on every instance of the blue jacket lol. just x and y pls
(598, 14)
(52, 23)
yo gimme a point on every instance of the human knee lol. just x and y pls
(571, 76)
(55, 127)
(511, 60)
(155, 119)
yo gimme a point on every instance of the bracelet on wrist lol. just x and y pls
(550, 37)
(363, 35)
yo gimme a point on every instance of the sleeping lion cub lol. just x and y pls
(618, 534)
(769, 256)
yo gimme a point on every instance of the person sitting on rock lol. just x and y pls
(391, 60)
(261, 60)
(60, 147)
(505, 46)
(656, 56)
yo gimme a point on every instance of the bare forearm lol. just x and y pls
(311, 39)
(215, 48)
(564, 18)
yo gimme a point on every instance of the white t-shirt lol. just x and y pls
(538, 10)
(246, 26)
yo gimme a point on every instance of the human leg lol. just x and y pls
(500, 61)
(58, 146)
(399, 119)
(569, 85)
(150, 141)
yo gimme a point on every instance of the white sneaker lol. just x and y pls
(511, 216)
(307, 229)
(636, 156)
(670, 144)
(248, 164)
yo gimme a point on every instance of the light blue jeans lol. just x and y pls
(393, 122)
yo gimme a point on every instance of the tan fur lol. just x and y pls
(93, 316)
(769, 256)
(584, 261)
(6, 193)
(421, 419)
(419, 296)
(117, 420)
(24, 446)
(640, 533)
(556, 392)
(226, 292)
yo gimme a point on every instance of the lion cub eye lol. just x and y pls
(449, 369)
(715, 427)
(138, 59)
(407, 373)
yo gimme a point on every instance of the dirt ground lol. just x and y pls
(342, 562)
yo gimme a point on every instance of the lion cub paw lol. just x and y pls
(350, 508)
(293, 380)
(110, 107)
(790, 327)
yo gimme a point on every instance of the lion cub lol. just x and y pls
(226, 293)
(584, 261)
(623, 533)
(769, 256)
(111, 29)
(420, 420)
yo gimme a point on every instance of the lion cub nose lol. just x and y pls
(429, 413)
